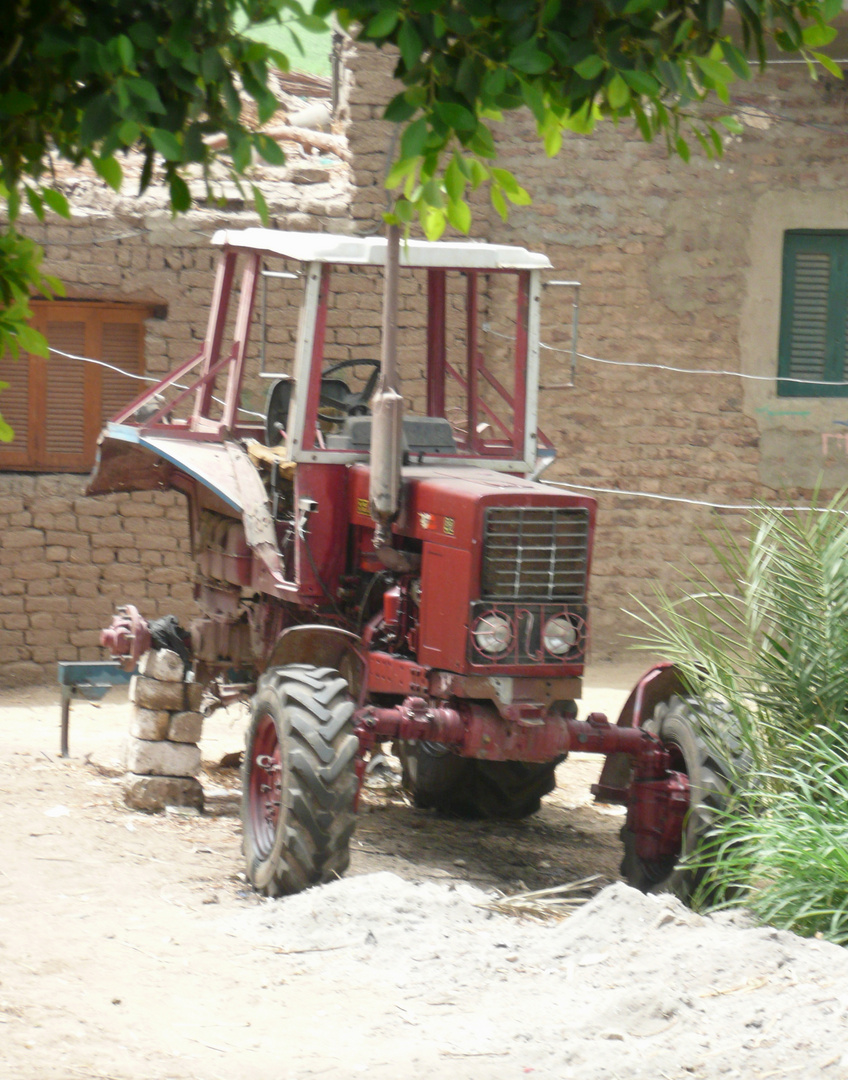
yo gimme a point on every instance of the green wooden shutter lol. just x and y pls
(813, 314)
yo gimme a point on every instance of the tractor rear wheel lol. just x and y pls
(676, 724)
(466, 787)
(298, 780)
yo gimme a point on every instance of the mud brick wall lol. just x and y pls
(680, 266)
(66, 561)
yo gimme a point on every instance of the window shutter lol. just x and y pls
(121, 347)
(58, 405)
(813, 320)
(14, 405)
(65, 398)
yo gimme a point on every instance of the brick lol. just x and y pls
(175, 697)
(185, 727)
(163, 665)
(152, 725)
(154, 794)
(20, 538)
(162, 758)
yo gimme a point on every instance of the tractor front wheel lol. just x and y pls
(298, 780)
(677, 726)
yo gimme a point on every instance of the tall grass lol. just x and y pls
(772, 642)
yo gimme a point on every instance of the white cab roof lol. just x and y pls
(371, 250)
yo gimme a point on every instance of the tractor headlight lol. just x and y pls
(559, 635)
(493, 633)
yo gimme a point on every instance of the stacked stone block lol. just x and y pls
(163, 758)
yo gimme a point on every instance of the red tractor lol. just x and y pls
(382, 568)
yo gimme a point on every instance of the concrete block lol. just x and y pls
(162, 758)
(154, 793)
(162, 664)
(153, 694)
(152, 725)
(185, 727)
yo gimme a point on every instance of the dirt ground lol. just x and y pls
(131, 949)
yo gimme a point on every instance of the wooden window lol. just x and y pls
(814, 314)
(57, 406)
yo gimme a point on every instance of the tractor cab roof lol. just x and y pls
(371, 250)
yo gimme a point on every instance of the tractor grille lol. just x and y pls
(535, 552)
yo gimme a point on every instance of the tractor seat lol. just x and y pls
(421, 435)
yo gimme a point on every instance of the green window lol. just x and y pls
(814, 313)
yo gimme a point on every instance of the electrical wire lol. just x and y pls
(690, 502)
(663, 367)
(142, 378)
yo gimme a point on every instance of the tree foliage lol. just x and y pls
(570, 62)
(88, 81)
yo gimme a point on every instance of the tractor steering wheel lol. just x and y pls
(338, 396)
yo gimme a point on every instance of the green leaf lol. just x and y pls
(732, 124)
(499, 203)
(432, 222)
(641, 82)
(400, 109)
(830, 9)
(479, 173)
(31, 341)
(167, 144)
(180, 195)
(618, 93)
(505, 180)
(520, 197)
(97, 120)
(431, 194)
(414, 139)
(57, 202)
(828, 64)
(455, 180)
(143, 35)
(456, 116)
(35, 202)
(6, 432)
(459, 216)
(643, 123)
(682, 148)
(715, 70)
(110, 170)
(129, 132)
(261, 205)
(16, 102)
(410, 43)
(145, 91)
(590, 68)
(529, 58)
(125, 50)
(399, 171)
(736, 60)
(382, 24)
(405, 211)
(270, 149)
(552, 139)
(815, 35)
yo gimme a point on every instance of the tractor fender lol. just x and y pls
(656, 685)
(321, 646)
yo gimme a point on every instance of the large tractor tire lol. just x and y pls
(676, 724)
(298, 780)
(438, 779)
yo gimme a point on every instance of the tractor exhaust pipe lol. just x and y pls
(387, 409)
